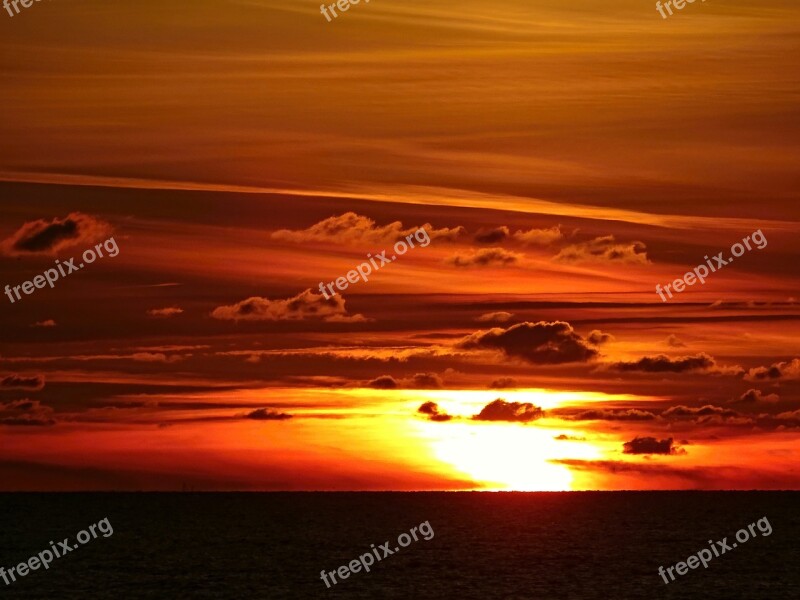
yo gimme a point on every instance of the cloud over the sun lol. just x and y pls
(515, 412)
(650, 445)
(434, 412)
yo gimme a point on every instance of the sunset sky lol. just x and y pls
(564, 160)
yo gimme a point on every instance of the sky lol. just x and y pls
(555, 166)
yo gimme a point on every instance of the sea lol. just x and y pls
(483, 545)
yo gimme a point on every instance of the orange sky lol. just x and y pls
(564, 161)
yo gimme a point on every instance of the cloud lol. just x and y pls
(500, 410)
(43, 237)
(164, 313)
(22, 382)
(46, 323)
(156, 357)
(503, 383)
(604, 249)
(384, 382)
(492, 236)
(631, 414)
(26, 413)
(419, 381)
(495, 317)
(539, 237)
(305, 305)
(599, 338)
(485, 257)
(434, 414)
(359, 318)
(351, 228)
(753, 396)
(681, 411)
(426, 381)
(787, 371)
(650, 445)
(673, 342)
(265, 414)
(701, 363)
(786, 419)
(569, 438)
(539, 343)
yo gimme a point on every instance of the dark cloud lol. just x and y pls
(426, 381)
(419, 381)
(43, 237)
(434, 413)
(598, 338)
(787, 371)
(306, 305)
(384, 382)
(677, 412)
(538, 343)
(26, 412)
(701, 363)
(265, 414)
(753, 396)
(604, 249)
(673, 342)
(484, 258)
(569, 438)
(503, 383)
(631, 414)
(492, 236)
(500, 410)
(650, 445)
(22, 382)
(786, 419)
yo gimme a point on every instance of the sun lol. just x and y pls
(502, 456)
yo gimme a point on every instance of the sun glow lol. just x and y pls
(506, 456)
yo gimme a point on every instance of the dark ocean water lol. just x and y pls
(516, 545)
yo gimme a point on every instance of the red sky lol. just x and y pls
(564, 161)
